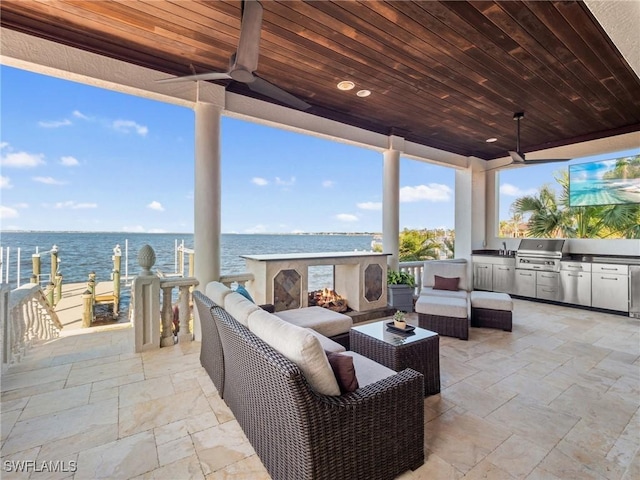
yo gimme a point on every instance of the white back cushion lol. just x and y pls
(239, 307)
(216, 291)
(299, 346)
(448, 269)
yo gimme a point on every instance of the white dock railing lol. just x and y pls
(27, 317)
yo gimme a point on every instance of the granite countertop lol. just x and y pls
(576, 257)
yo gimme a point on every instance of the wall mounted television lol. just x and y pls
(605, 182)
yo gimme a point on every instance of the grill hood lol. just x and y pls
(537, 247)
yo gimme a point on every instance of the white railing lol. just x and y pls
(176, 329)
(151, 310)
(27, 317)
(239, 278)
(415, 269)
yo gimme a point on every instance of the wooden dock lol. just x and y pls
(70, 306)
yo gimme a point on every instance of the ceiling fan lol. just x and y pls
(244, 62)
(518, 157)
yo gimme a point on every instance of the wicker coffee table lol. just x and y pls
(419, 350)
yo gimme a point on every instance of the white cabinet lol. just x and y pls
(503, 278)
(482, 276)
(610, 286)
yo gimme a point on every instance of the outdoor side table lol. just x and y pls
(419, 350)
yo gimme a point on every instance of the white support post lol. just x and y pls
(207, 221)
(18, 274)
(7, 269)
(126, 261)
(391, 207)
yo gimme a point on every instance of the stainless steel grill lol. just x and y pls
(539, 254)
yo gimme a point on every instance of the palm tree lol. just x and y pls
(550, 216)
(417, 245)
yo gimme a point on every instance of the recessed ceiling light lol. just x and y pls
(491, 140)
(346, 85)
(363, 93)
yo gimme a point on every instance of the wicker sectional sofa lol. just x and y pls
(298, 430)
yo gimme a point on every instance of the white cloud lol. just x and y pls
(21, 159)
(127, 126)
(55, 123)
(513, 191)
(69, 161)
(75, 206)
(5, 182)
(370, 205)
(8, 212)
(346, 217)
(156, 206)
(157, 230)
(260, 181)
(434, 192)
(48, 181)
(78, 114)
(286, 183)
(257, 229)
(328, 183)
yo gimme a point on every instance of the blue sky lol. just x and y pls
(75, 157)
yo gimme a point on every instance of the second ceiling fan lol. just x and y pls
(244, 62)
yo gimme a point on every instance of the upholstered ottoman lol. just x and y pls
(491, 310)
(324, 321)
(446, 316)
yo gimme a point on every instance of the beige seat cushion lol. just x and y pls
(216, 291)
(491, 301)
(368, 371)
(322, 320)
(298, 345)
(239, 307)
(442, 306)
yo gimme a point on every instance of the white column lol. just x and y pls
(391, 206)
(470, 210)
(207, 223)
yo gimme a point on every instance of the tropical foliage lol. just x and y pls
(417, 245)
(395, 277)
(548, 215)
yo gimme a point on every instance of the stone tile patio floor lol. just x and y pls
(558, 397)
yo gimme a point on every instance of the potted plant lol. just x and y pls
(400, 290)
(399, 320)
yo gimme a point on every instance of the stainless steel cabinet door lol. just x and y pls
(610, 291)
(503, 278)
(575, 287)
(482, 276)
(525, 284)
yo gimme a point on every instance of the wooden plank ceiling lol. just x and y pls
(447, 74)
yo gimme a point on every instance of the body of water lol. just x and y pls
(81, 253)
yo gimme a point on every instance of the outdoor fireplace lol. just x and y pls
(283, 279)
(328, 298)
